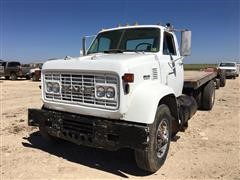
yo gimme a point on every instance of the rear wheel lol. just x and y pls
(7, 77)
(34, 77)
(222, 78)
(208, 96)
(155, 155)
(13, 76)
(217, 83)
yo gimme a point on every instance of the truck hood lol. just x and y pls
(228, 68)
(120, 63)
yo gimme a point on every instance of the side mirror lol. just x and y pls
(186, 43)
(86, 41)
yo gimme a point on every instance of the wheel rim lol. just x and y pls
(162, 138)
(13, 76)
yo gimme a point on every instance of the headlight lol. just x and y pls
(110, 92)
(49, 86)
(56, 88)
(100, 91)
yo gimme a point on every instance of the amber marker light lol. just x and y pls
(128, 77)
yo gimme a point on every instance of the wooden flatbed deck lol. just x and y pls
(195, 79)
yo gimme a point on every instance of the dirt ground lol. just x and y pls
(209, 149)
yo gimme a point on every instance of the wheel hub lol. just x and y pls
(162, 138)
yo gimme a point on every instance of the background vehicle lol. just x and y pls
(230, 68)
(127, 91)
(238, 69)
(25, 70)
(10, 69)
(35, 71)
(32, 71)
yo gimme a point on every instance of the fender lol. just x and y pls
(144, 101)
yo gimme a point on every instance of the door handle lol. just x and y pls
(172, 65)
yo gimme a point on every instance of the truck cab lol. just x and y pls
(125, 91)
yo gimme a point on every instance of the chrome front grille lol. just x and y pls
(79, 89)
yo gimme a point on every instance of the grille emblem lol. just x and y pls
(66, 88)
(88, 90)
(77, 89)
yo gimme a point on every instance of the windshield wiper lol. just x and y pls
(114, 51)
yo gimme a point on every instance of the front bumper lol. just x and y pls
(230, 73)
(91, 131)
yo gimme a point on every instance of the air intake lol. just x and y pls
(154, 73)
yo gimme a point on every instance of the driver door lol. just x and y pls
(173, 64)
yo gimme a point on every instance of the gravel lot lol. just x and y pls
(209, 149)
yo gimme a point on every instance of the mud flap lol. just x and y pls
(187, 108)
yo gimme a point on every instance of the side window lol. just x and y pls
(3, 64)
(168, 44)
(13, 64)
(104, 44)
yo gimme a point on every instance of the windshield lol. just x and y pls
(227, 64)
(134, 39)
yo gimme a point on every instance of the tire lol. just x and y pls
(13, 76)
(34, 77)
(150, 159)
(27, 77)
(222, 78)
(208, 96)
(234, 77)
(217, 85)
(7, 77)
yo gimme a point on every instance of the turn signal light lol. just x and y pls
(128, 77)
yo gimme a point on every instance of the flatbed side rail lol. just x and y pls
(195, 79)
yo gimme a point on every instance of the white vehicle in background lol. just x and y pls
(238, 69)
(231, 69)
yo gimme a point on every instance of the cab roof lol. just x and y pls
(133, 26)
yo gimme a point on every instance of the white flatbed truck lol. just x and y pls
(126, 91)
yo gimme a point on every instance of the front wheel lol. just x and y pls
(27, 77)
(13, 76)
(155, 155)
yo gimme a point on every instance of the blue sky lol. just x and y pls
(34, 30)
